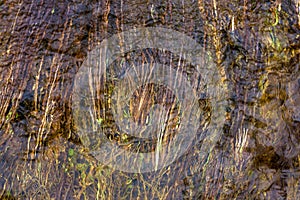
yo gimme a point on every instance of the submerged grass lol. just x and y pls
(255, 46)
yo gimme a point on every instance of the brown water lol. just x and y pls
(255, 46)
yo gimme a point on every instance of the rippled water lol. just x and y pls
(254, 47)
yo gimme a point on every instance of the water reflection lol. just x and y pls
(255, 46)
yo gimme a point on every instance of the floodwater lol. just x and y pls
(253, 154)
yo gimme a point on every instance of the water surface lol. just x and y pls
(255, 48)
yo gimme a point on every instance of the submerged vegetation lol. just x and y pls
(255, 46)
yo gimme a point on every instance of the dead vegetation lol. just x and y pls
(255, 46)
